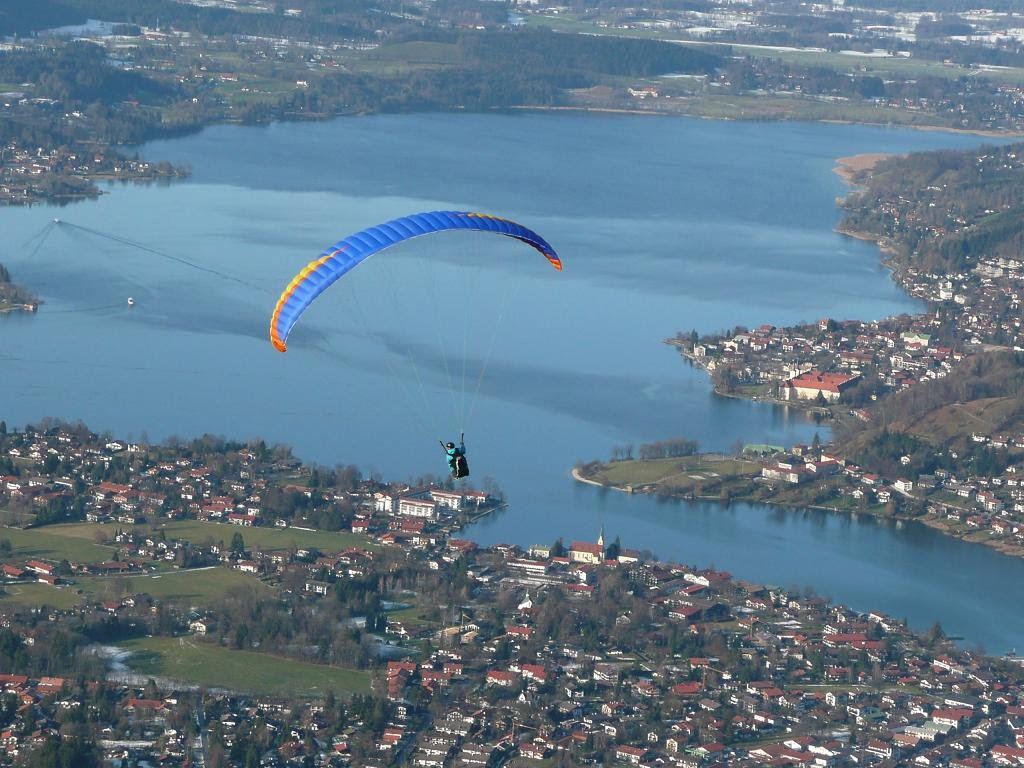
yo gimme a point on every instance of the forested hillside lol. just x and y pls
(932, 423)
(940, 211)
(112, 105)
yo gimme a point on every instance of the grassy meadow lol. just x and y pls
(205, 663)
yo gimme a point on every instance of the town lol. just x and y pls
(33, 175)
(72, 96)
(451, 654)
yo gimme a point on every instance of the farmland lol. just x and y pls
(52, 544)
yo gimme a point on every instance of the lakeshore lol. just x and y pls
(690, 484)
(818, 367)
(13, 298)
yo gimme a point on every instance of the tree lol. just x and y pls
(935, 635)
(724, 379)
(613, 550)
(237, 543)
(72, 752)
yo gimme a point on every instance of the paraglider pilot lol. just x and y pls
(457, 457)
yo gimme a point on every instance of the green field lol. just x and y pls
(86, 531)
(682, 472)
(787, 106)
(36, 594)
(418, 52)
(198, 587)
(199, 532)
(412, 618)
(267, 539)
(50, 544)
(194, 588)
(204, 663)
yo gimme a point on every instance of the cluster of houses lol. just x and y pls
(783, 679)
(831, 687)
(821, 362)
(992, 506)
(983, 299)
(59, 468)
(149, 726)
(988, 298)
(26, 172)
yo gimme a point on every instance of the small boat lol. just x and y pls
(131, 302)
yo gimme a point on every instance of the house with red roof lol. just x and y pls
(955, 717)
(807, 386)
(689, 688)
(534, 672)
(501, 677)
(586, 552)
(519, 632)
(40, 567)
(13, 682)
(12, 571)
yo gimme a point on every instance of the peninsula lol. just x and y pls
(926, 410)
(13, 298)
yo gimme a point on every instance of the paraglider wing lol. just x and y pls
(344, 255)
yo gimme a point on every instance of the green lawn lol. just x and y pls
(86, 531)
(49, 544)
(204, 663)
(198, 532)
(943, 496)
(412, 618)
(418, 52)
(257, 89)
(193, 588)
(680, 472)
(37, 594)
(795, 107)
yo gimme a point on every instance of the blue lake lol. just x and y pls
(663, 225)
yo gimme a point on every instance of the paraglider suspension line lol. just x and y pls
(162, 254)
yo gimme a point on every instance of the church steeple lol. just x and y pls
(600, 538)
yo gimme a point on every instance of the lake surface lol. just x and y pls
(663, 225)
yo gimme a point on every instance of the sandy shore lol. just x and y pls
(849, 167)
(578, 477)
